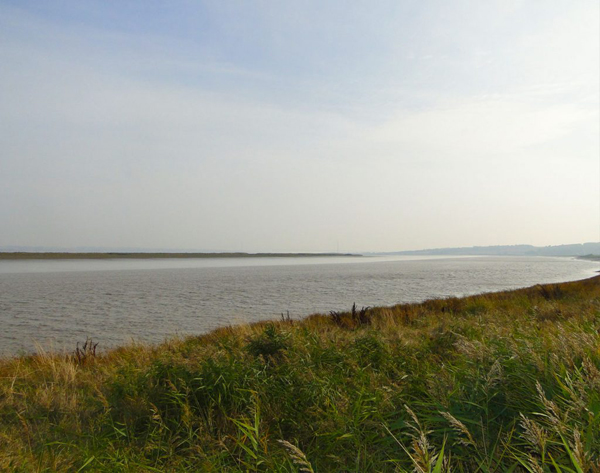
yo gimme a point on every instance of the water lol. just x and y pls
(57, 303)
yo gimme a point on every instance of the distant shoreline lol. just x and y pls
(590, 257)
(118, 255)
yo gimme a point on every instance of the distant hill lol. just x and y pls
(580, 249)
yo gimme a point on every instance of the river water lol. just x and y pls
(55, 304)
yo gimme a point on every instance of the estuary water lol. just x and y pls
(56, 303)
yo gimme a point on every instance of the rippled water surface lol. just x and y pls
(57, 303)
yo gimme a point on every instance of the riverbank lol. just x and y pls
(482, 383)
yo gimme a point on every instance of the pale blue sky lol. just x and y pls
(299, 126)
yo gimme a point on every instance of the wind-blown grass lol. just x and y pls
(496, 382)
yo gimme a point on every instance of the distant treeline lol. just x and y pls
(63, 255)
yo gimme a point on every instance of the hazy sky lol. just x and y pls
(299, 126)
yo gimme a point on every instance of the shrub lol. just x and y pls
(268, 344)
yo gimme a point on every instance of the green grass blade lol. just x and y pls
(571, 456)
(440, 461)
(87, 462)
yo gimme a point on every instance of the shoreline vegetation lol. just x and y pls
(92, 255)
(507, 381)
(590, 257)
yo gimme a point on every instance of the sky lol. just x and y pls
(314, 126)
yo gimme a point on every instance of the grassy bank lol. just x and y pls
(498, 382)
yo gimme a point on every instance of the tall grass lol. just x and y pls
(495, 382)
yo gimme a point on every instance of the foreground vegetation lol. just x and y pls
(498, 382)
